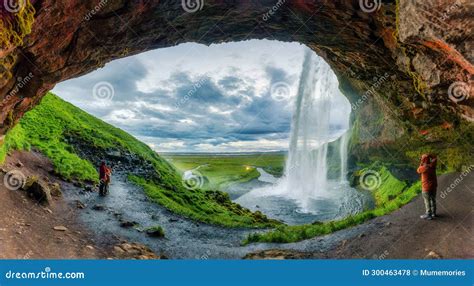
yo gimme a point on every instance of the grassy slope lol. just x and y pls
(47, 126)
(391, 195)
(222, 170)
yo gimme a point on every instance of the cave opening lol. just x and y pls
(255, 119)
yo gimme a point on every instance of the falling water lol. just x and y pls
(305, 184)
(343, 144)
(306, 168)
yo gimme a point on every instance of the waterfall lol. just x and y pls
(306, 167)
(305, 180)
(343, 145)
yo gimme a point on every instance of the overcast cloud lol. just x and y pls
(195, 98)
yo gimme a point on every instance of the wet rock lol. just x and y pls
(80, 205)
(173, 219)
(127, 224)
(156, 231)
(88, 188)
(77, 184)
(98, 207)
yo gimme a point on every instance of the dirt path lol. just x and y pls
(27, 228)
(402, 234)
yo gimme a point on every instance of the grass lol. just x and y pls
(391, 195)
(50, 128)
(224, 170)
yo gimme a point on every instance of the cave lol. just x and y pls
(406, 73)
(58, 41)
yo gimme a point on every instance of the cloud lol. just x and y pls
(197, 98)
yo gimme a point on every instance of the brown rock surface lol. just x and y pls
(419, 50)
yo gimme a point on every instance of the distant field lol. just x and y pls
(223, 170)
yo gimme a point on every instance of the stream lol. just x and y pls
(185, 239)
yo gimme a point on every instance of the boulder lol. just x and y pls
(156, 231)
(55, 189)
(38, 190)
(127, 224)
(98, 208)
(128, 250)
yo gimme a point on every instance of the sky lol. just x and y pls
(232, 97)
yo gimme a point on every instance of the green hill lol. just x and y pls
(54, 126)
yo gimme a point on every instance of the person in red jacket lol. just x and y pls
(104, 177)
(429, 183)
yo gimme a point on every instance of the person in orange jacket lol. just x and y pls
(104, 177)
(429, 183)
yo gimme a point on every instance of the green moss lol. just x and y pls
(390, 196)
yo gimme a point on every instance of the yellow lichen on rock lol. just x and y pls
(14, 29)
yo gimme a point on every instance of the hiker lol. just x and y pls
(429, 183)
(104, 177)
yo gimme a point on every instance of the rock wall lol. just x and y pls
(407, 60)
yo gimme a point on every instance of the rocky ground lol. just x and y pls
(33, 227)
(402, 234)
(48, 226)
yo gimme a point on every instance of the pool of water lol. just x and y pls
(339, 201)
